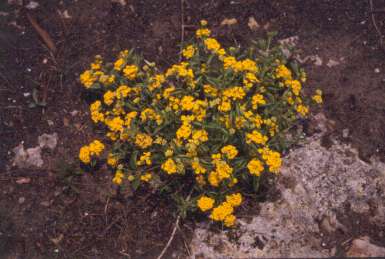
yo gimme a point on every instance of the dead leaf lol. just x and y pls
(57, 240)
(42, 33)
(66, 122)
(253, 24)
(229, 22)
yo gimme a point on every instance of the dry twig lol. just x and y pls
(375, 23)
(174, 230)
(182, 28)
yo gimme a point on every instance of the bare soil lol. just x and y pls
(62, 214)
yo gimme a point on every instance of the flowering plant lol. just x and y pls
(214, 123)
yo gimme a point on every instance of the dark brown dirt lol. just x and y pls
(63, 215)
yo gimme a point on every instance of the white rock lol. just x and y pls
(321, 181)
(287, 44)
(32, 5)
(362, 247)
(345, 133)
(48, 141)
(332, 63)
(27, 158)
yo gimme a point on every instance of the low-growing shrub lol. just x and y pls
(212, 124)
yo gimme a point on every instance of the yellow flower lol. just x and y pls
(118, 178)
(129, 117)
(169, 166)
(96, 115)
(250, 79)
(197, 167)
(199, 136)
(295, 86)
(203, 32)
(255, 167)
(156, 81)
(123, 91)
(184, 131)
(257, 100)
(216, 157)
(115, 124)
(203, 23)
(160, 141)
(145, 159)
(213, 179)
(249, 65)
(130, 71)
(302, 110)
(212, 44)
(230, 151)
(256, 137)
(318, 96)
(229, 220)
(272, 159)
(234, 93)
(143, 140)
(221, 212)
(85, 155)
(223, 170)
(229, 62)
(118, 65)
(224, 106)
(187, 103)
(146, 177)
(168, 91)
(96, 147)
(188, 52)
(283, 72)
(87, 78)
(205, 203)
(112, 160)
(169, 153)
(234, 199)
(210, 90)
(109, 97)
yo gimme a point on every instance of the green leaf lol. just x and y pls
(133, 159)
(135, 184)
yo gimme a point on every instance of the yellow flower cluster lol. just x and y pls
(143, 140)
(205, 203)
(318, 96)
(230, 151)
(130, 71)
(170, 166)
(188, 52)
(224, 211)
(212, 122)
(95, 148)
